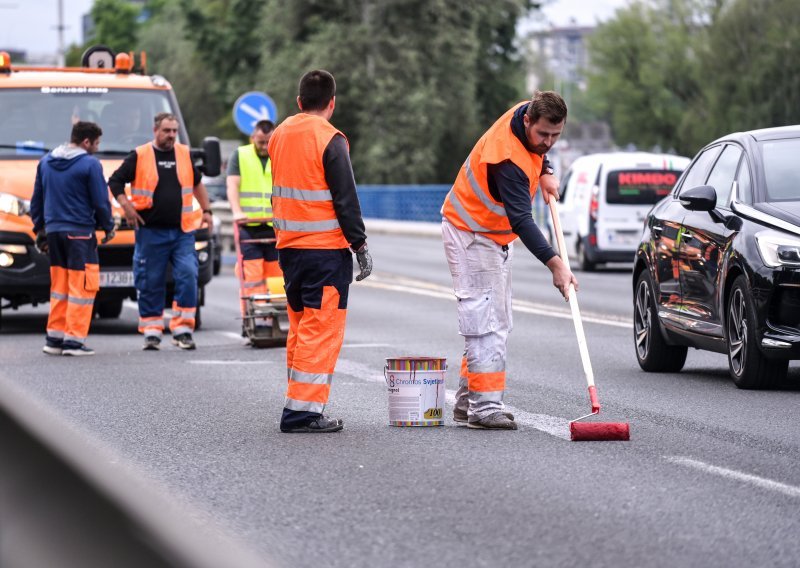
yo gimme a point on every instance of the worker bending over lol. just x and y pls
(488, 207)
(317, 222)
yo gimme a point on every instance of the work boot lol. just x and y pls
(496, 421)
(75, 349)
(184, 341)
(53, 346)
(320, 425)
(151, 343)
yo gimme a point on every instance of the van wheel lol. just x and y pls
(583, 262)
(748, 366)
(652, 351)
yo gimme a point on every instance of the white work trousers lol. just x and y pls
(481, 271)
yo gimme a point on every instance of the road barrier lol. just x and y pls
(72, 503)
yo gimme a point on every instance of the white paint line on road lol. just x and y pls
(553, 425)
(435, 291)
(231, 334)
(228, 362)
(357, 345)
(762, 482)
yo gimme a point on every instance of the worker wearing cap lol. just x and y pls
(70, 199)
(488, 207)
(161, 208)
(249, 189)
(317, 223)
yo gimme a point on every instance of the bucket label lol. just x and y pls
(416, 398)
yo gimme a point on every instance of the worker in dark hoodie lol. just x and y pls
(70, 199)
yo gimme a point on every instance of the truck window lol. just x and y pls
(639, 187)
(43, 117)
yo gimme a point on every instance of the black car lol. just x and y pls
(718, 266)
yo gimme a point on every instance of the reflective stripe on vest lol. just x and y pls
(255, 187)
(301, 199)
(469, 205)
(145, 183)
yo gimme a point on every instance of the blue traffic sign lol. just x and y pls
(252, 107)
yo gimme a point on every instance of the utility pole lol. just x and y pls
(60, 27)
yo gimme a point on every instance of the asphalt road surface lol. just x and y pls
(710, 477)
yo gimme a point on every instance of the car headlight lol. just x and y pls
(778, 249)
(12, 205)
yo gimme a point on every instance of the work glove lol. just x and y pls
(41, 241)
(364, 262)
(110, 234)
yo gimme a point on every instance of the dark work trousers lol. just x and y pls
(317, 284)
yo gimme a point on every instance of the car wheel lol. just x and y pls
(109, 309)
(748, 366)
(652, 351)
(583, 261)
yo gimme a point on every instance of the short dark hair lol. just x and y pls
(82, 130)
(265, 126)
(161, 117)
(548, 104)
(316, 90)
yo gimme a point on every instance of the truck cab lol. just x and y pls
(38, 107)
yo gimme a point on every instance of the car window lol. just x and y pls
(780, 169)
(723, 172)
(698, 171)
(745, 190)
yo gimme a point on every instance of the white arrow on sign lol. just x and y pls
(261, 114)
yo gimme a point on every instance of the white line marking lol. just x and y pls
(553, 425)
(228, 362)
(230, 334)
(356, 345)
(763, 482)
(435, 291)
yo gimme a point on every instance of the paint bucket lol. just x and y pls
(416, 390)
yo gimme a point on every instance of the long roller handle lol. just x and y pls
(576, 313)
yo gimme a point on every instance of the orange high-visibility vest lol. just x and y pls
(302, 204)
(469, 205)
(146, 180)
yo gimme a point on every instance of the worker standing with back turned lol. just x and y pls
(163, 181)
(488, 207)
(249, 189)
(317, 223)
(70, 199)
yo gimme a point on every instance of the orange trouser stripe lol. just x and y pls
(182, 318)
(486, 382)
(71, 303)
(291, 337)
(320, 334)
(307, 392)
(59, 291)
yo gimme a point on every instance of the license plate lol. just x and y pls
(117, 279)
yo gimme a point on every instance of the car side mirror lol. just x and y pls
(700, 198)
(212, 156)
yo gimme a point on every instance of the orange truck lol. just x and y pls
(37, 109)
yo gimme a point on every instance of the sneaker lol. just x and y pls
(320, 425)
(184, 341)
(52, 349)
(151, 343)
(74, 349)
(496, 421)
(459, 415)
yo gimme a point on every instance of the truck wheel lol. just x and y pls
(109, 309)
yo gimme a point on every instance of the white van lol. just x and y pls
(605, 199)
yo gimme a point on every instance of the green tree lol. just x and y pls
(115, 24)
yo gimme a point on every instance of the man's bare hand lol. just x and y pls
(562, 276)
(131, 215)
(239, 215)
(549, 184)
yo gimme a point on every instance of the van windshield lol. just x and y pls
(42, 117)
(639, 187)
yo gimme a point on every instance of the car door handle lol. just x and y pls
(656, 230)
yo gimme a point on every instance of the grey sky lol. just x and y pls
(31, 24)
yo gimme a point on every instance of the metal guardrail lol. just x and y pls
(73, 504)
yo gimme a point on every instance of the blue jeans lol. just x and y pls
(155, 248)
